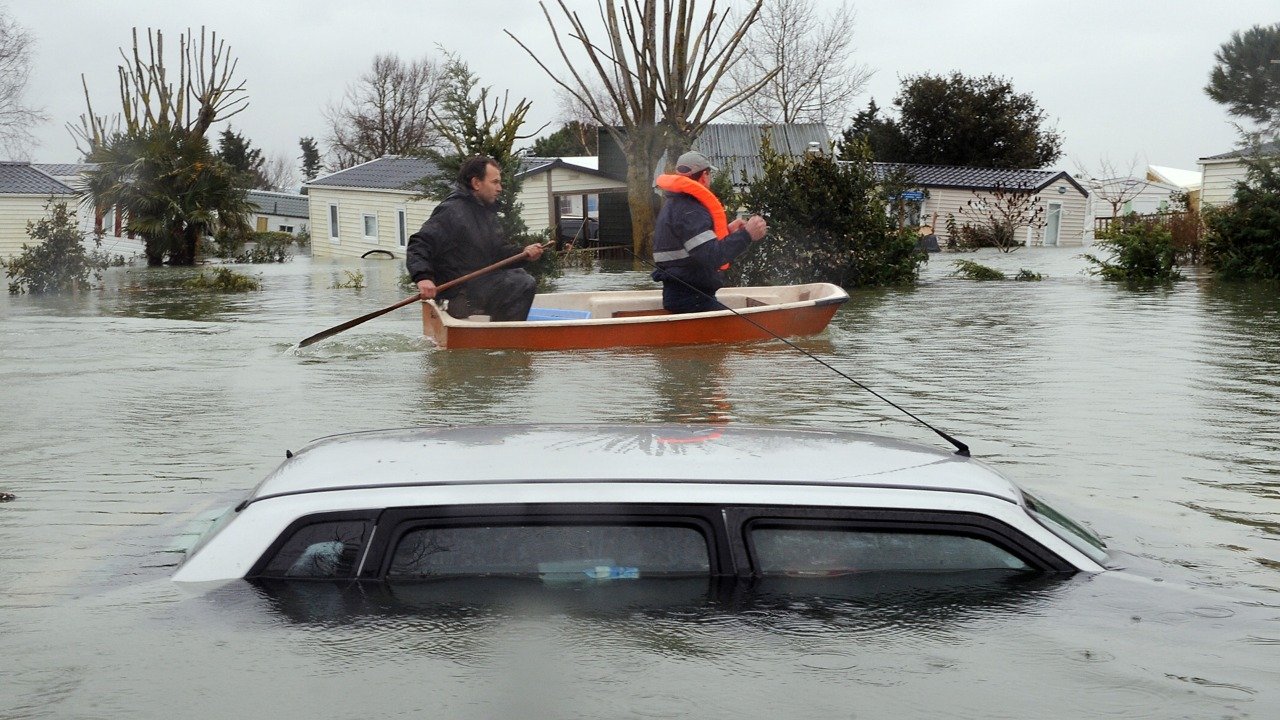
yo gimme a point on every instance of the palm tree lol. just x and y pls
(171, 186)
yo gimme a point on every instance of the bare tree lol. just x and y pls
(206, 91)
(1110, 186)
(993, 218)
(659, 64)
(816, 82)
(279, 172)
(385, 112)
(16, 118)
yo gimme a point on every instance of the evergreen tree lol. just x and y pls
(1247, 76)
(573, 139)
(310, 158)
(245, 160)
(878, 132)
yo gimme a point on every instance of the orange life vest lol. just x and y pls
(703, 194)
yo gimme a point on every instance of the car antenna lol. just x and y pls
(961, 448)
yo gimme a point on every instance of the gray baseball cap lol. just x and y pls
(694, 162)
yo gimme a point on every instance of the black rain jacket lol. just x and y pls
(462, 235)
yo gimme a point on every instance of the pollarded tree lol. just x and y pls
(977, 121)
(387, 111)
(1246, 77)
(16, 117)
(649, 76)
(153, 160)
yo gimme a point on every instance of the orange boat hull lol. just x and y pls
(644, 331)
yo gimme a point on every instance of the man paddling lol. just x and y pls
(463, 235)
(692, 243)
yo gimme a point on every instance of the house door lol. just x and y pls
(1053, 223)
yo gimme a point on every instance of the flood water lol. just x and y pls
(1153, 415)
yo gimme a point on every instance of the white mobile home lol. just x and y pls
(1222, 172)
(369, 209)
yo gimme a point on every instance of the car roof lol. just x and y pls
(548, 453)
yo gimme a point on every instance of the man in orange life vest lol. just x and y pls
(692, 243)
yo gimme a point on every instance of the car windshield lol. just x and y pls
(1077, 535)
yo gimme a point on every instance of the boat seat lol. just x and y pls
(611, 307)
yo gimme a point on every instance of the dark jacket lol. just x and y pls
(685, 248)
(462, 235)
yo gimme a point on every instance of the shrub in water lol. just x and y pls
(1142, 250)
(1243, 239)
(223, 280)
(57, 262)
(977, 271)
(828, 221)
(353, 281)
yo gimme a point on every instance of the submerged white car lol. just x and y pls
(586, 503)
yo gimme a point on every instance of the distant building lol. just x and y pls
(280, 212)
(951, 187)
(369, 209)
(1222, 172)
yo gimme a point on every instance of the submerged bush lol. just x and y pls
(1243, 239)
(828, 222)
(1026, 275)
(353, 281)
(976, 271)
(58, 261)
(268, 246)
(1141, 250)
(223, 280)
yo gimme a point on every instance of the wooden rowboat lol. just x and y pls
(635, 318)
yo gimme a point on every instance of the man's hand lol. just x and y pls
(533, 251)
(426, 289)
(756, 227)
(736, 225)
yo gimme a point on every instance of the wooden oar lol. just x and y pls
(412, 298)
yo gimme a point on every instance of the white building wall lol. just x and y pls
(15, 212)
(353, 205)
(1071, 230)
(1220, 180)
(537, 193)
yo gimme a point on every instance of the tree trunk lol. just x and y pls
(642, 202)
(155, 251)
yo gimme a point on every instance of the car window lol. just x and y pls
(552, 552)
(1077, 535)
(319, 550)
(780, 549)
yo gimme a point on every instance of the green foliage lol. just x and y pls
(977, 271)
(310, 158)
(57, 261)
(268, 246)
(1026, 275)
(1246, 77)
(172, 187)
(1141, 250)
(723, 188)
(353, 281)
(223, 280)
(1243, 239)
(959, 120)
(245, 160)
(828, 222)
(473, 126)
(573, 139)
(879, 132)
(302, 239)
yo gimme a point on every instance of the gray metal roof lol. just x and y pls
(392, 172)
(735, 148)
(1263, 150)
(282, 204)
(976, 178)
(20, 178)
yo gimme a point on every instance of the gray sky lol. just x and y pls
(1119, 79)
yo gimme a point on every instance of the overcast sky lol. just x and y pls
(1119, 79)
